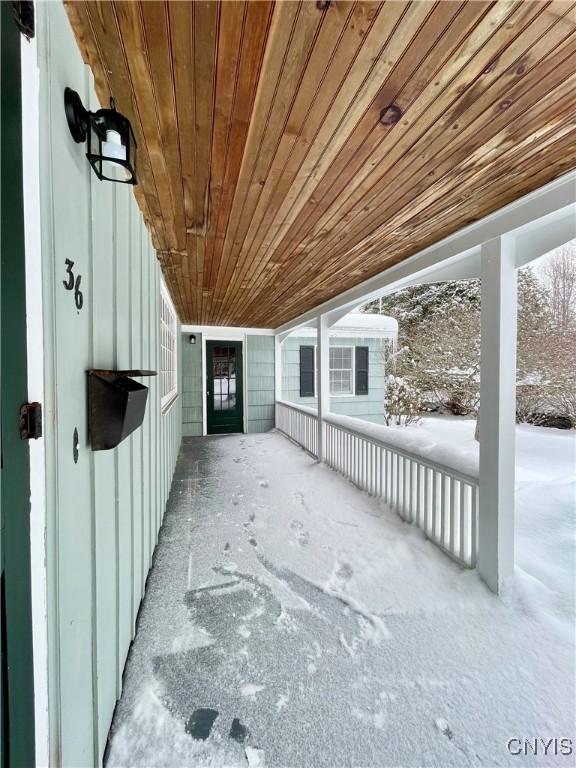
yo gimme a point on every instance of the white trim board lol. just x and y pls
(306, 331)
(35, 359)
(227, 331)
(538, 222)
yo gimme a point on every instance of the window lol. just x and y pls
(169, 378)
(348, 371)
(341, 371)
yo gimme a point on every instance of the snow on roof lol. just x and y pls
(357, 324)
(361, 321)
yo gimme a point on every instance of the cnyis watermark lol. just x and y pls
(539, 746)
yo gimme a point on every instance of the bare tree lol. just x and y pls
(560, 274)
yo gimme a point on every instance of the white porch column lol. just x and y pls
(278, 367)
(323, 386)
(497, 413)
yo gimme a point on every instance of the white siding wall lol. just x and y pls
(103, 512)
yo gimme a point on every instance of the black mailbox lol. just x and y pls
(116, 406)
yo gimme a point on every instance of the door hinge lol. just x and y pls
(30, 421)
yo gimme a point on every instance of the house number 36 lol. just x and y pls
(73, 284)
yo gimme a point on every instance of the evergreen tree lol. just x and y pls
(439, 347)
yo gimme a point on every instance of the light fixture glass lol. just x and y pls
(111, 143)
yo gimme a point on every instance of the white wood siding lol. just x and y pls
(103, 512)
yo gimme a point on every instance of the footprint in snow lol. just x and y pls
(200, 723)
(296, 525)
(199, 726)
(345, 571)
(263, 483)
(303, 538)
(444, 727)
(238, 731)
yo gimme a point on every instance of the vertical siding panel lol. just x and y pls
(65, 180)
(145, 428)
(123, 452)
(103, 462)
(158, 417)
(151, 410)
(153, 403)
(136, 258)
(158, 414)
(131, 356)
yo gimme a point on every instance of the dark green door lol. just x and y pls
(224, 404)
(17, 694)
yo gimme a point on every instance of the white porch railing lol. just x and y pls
(441, 501)
(298, 423)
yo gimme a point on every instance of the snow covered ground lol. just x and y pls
(546, 507)
(292, 620)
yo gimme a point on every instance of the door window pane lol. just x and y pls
(224, 375)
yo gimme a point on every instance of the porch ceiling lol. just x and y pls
(288, 152)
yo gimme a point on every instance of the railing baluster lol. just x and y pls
(473, 526)
(410, 490)
(406, 500)
(426, 499)
(439, 500)
(433, 503)
(461, 520)
(371, 468)
(388, 477)
(418, 499)
(367, 470)
(404, 487)
(451, 485)
(443, 508)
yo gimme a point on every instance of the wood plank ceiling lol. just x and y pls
(290, 150)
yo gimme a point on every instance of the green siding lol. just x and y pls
(260, 386)
(369, 407)
(259, 360)
(192, 424)
(103, 512)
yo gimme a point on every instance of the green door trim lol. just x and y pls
(221, 421)
(17, 694)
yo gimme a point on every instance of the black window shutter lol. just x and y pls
(306, 371)
(361, 370)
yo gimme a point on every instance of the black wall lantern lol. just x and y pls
(192, 338)
(111, 142)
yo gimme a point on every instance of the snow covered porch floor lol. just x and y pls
(292, 620)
